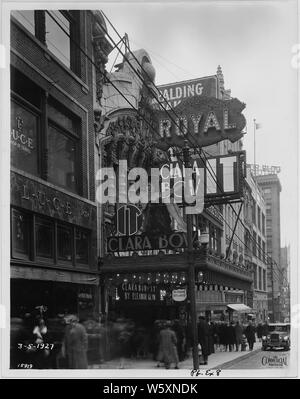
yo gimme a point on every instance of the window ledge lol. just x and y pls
(38, 263)
(50, 56)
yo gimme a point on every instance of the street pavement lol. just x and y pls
(215, 360)
(260, 360)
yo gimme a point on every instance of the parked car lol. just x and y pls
(278, 336)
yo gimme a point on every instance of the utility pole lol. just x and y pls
(191, 273)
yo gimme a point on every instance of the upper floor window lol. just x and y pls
(259, 249)
(39, 126)
(263, 223)
(255, 276)
(62, 147)
(258, 217)
(254, 213)
(57, 39)
(263, 244)
(58, 30)
(264, 281)
(254, 243)
(260, 278)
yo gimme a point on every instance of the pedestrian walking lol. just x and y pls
(167, 352)
(259, 330)
(217, 336)
(75, 344)
(227, 337)
(211, 332)
(203, 339)
(265, 329)
(244, 343)
(180, 335)
(250, 335)
(231, 336)
(41, 341)
(238, 330)
(21, 352)
(222, 336)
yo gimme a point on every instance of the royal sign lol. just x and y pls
(202, 121)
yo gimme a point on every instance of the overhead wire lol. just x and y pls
(148, 123)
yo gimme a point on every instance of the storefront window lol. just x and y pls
(20, 235)
(24, 144)
(44, 238)
(82, 246)
(61, 159)
(64, 243)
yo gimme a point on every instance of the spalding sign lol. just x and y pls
(203, 121)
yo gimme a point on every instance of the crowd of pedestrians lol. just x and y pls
(166, 342)
(227, 336)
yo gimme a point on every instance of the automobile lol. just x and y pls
(278, 336)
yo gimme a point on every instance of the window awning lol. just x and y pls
(239, 307)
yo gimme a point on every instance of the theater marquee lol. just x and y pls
(202, 121)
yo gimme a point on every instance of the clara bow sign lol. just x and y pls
(203, 121)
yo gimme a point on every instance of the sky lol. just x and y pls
(252, 41)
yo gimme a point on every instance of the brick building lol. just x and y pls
(271, 188)
(53, 209)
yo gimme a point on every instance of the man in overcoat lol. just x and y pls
(203, 338)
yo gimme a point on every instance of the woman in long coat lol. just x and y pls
(250, 335)
(211, 337)
(203, 338)
(167, 352)
(222, 335)
(75, 344)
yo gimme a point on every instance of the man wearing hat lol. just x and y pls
(75, 343)
(167, 352)
(203, 338)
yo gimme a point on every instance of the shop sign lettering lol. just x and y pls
(138, 292)
(37, 197)
(144, 242)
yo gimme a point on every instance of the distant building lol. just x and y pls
(53, 208)
(255, 245)
(271, 188)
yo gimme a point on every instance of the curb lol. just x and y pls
(238, 359)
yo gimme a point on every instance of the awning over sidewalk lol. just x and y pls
(239, 307)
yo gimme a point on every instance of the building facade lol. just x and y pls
(271, 188)
(255, 245)
(141, 283)
(54, 267)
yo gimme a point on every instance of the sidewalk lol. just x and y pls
(214, 361)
